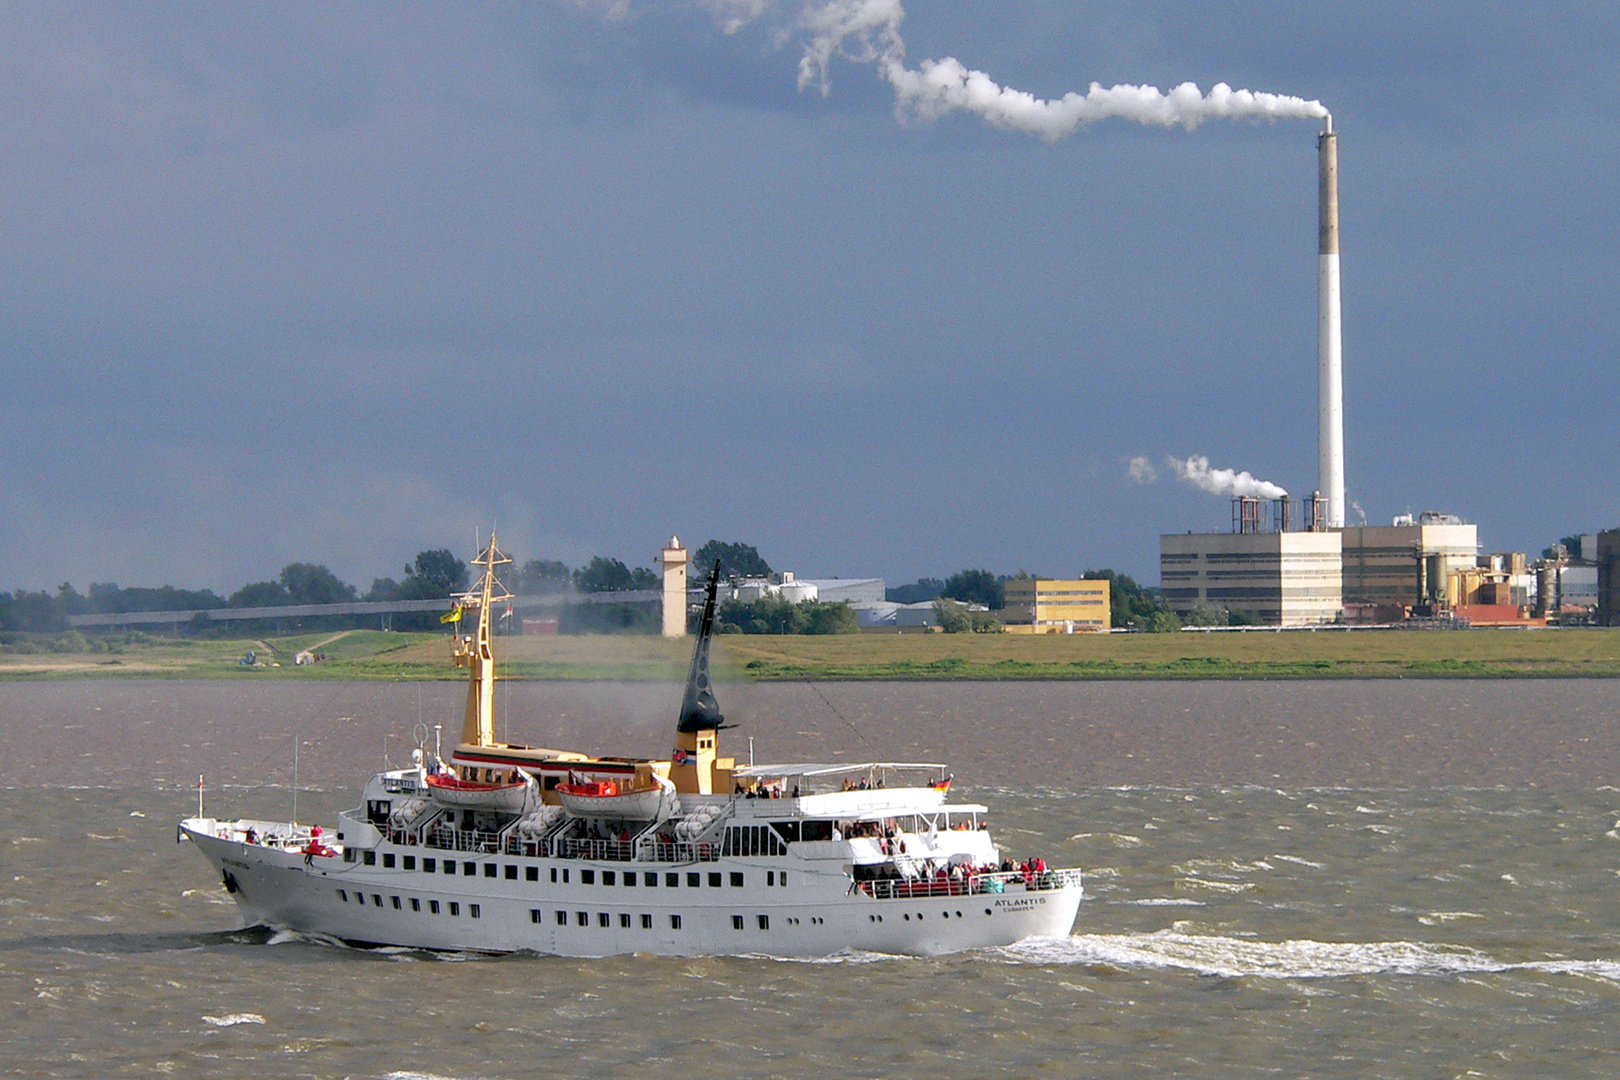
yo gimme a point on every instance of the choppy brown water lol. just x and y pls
(1287, 879)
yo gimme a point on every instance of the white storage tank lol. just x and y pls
(797, 592)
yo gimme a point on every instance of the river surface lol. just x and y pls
(1330, 879)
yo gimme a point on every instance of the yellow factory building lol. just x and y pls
(1044, 606)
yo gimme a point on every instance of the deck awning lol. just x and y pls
(819, 769)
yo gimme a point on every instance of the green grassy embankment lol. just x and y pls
(371, 654)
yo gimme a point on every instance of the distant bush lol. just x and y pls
(958, 618)
(70, 642)
(775, 615)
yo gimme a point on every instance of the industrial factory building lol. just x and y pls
(1406, 564)
(1273, 576)
(1608, 565)
(1045, 606)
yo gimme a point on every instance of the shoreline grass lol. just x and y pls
(372, 654)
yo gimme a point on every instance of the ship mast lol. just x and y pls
(473, 652)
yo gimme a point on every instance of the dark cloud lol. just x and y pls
(342, 283)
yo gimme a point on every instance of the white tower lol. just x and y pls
(673, 559)
(1330, 367)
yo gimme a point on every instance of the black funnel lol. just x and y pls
(699, 710)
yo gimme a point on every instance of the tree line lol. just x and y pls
(432, 575)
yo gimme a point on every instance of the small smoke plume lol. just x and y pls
(868, 31)
(1196, 471)
(1141, 470)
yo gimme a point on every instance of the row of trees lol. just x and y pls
(432, 575)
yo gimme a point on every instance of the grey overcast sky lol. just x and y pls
(337, 283)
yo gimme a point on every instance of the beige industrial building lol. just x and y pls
(1042, 606)
(1279, 578)
(1407, 564)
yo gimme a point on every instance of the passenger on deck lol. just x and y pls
(252, 835)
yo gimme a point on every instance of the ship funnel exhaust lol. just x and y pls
(1330, 367)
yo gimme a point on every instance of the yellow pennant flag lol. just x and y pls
(453, 615)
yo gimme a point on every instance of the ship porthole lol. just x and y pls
(987, 911)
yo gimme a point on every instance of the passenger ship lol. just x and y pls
(506, 847)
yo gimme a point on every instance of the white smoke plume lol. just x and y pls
(868, 31)
(1141, 470)
(1196, 471)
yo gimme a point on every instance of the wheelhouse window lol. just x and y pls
(753, 840)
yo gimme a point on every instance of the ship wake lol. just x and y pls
(1301, 959)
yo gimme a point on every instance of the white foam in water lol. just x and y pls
(232, 1019)
(1235, 958)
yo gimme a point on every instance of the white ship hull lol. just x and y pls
(783, 906)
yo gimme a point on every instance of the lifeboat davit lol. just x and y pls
(605, 798)
(507, 798)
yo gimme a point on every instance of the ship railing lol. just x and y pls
(449, 839)
(968, 885)
(679, 851)
(285, 841)
(575, 847)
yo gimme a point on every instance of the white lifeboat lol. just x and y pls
(606, 799)
(503, 797)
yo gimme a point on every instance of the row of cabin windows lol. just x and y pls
(473, 910)
(603, 919)
(649, 878)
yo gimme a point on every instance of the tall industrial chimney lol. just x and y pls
(1330, 367)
